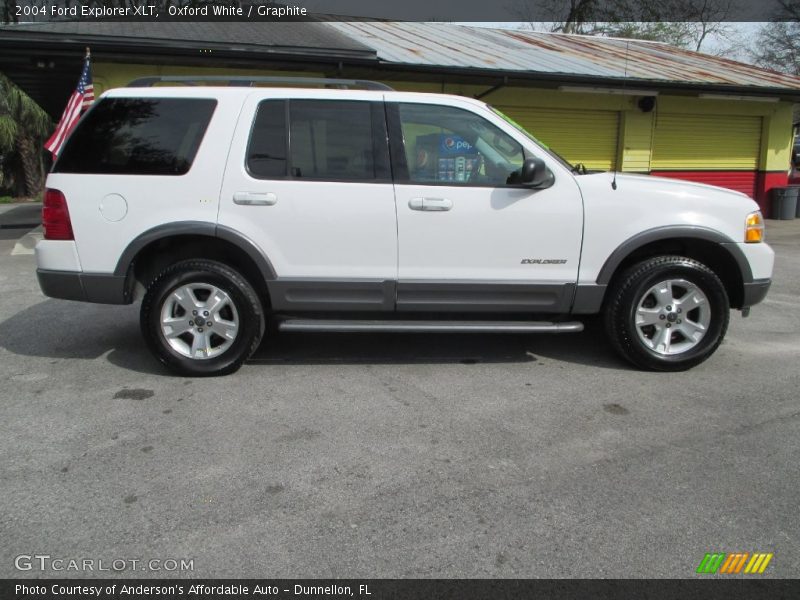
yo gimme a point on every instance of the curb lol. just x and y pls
(20, 216)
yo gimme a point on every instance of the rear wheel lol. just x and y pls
(667, 313)
(200, 317)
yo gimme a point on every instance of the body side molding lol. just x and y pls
(484, 296)
(588, 299)
(349, 295)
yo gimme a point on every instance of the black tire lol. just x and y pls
(631, 288)
(243, 307)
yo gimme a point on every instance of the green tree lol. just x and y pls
(24, 126)
(778, 43)
(683, 23)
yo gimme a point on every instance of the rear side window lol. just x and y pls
(266, 154)
(328, 140)
(138, 136)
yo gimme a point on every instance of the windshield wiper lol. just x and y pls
(579, 169)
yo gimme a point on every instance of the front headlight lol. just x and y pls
(754, 228)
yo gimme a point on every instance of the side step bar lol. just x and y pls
(365, 325)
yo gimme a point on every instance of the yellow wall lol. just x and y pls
(590, 137)
(706, 142)
(636, 145)
(106, 76)
(634, 149)
(777, 128)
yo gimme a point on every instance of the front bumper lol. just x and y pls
(755, 292)
(102, 288)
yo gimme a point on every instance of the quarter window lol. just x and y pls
(446, 145)
(138, 136)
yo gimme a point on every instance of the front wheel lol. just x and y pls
(667, 313)
(200, 317)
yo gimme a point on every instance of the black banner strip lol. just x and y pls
(711, 588)
(534, 11)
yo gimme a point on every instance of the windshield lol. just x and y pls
(521, 129)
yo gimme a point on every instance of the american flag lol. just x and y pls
(81, 98)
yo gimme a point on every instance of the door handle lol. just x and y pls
(255, 198)
(431, 204)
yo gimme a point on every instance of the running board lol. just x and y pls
(365, 325)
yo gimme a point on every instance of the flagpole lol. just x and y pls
(81, 98)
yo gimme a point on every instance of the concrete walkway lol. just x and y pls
(27, 243)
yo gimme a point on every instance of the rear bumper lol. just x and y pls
(102, 288)
(755, 292)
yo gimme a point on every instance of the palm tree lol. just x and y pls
(24, 125)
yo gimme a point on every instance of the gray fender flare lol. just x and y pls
(195, 228)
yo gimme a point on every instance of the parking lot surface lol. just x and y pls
(395, 455)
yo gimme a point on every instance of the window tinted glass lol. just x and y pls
(266, 155)
(138, 136)
(457, 147)
(337, 140)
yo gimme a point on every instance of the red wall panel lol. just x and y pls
(741, 181)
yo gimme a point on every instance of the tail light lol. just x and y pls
(55, 216)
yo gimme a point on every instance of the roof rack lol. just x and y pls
(247, 81)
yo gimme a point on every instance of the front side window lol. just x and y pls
(446, 145)
(328, 140)
(137, 136)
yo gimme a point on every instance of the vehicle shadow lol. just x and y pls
(75, 330)
(65, 330)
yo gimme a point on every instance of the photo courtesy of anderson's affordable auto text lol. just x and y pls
(348, 300)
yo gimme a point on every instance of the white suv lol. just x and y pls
(373, 210)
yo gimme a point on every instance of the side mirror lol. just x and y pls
(534, 173)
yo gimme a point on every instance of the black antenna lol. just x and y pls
(619, 125)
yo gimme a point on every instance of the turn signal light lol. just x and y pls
(754, 228)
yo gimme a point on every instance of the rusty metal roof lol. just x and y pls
(506, 50)
(293, 37)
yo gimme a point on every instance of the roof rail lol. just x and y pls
(247, 81)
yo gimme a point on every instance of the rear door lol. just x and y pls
(308, 180)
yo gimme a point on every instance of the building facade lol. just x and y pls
(632, 106)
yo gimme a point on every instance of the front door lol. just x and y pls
(470, 239)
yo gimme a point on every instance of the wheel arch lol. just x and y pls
(155, 249)
(710, 247)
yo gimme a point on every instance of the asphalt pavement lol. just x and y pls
(395, 455)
